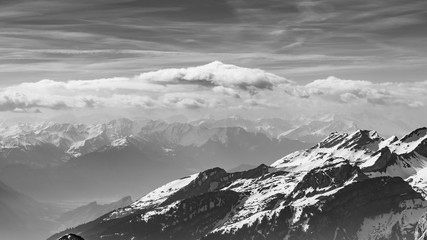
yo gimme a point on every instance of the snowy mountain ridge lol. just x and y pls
(348, 186)
(54, 144)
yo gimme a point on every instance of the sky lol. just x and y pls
(166, 57)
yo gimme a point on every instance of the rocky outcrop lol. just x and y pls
(385, 158)
(421, 229)
(70, 237)
(326, 178)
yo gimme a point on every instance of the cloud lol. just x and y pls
(332, 89)
(131, 101)
(174, 87)
(217, 74)
(189, 101)
(262, 103)
(148, 90)
(213, 86)
(210, 75)
(226, 91)
(100, 86)
(17, 101)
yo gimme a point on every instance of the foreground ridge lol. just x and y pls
(348, 186)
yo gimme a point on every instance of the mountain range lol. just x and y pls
(61, 162)
(347, 186)
(57, 161)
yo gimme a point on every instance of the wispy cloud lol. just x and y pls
(104, 38)
(364, 92)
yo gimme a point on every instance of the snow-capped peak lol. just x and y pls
(353, 147)
(371, 134)
(410, 142)
(415, 135)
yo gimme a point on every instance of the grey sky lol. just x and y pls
(380, 40)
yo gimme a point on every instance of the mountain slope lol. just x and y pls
(90, 212)
(338, 189)
(405, 158)
(218, 205)
(21, 216)
(116, 170)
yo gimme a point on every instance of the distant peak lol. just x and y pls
(122, 142)
(93, 203)
(333, 139)
(392, 139)
(371, 134)
(334, 135)
(126, 198)
(374, 134)
(120, 121)
(213, 171)
(215, 63)
(236, 117)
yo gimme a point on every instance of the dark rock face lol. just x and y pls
(276, 227)
(214, 179)
(422, 148)
(332, 140)
(349, 206)
(326, 178)
(414, 134)
(363, 139)
(385, 159)
(421, 229)
(70, 237)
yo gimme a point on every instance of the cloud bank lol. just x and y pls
(333, 89)
(217, 74)
(213, 86)
(204, 86)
